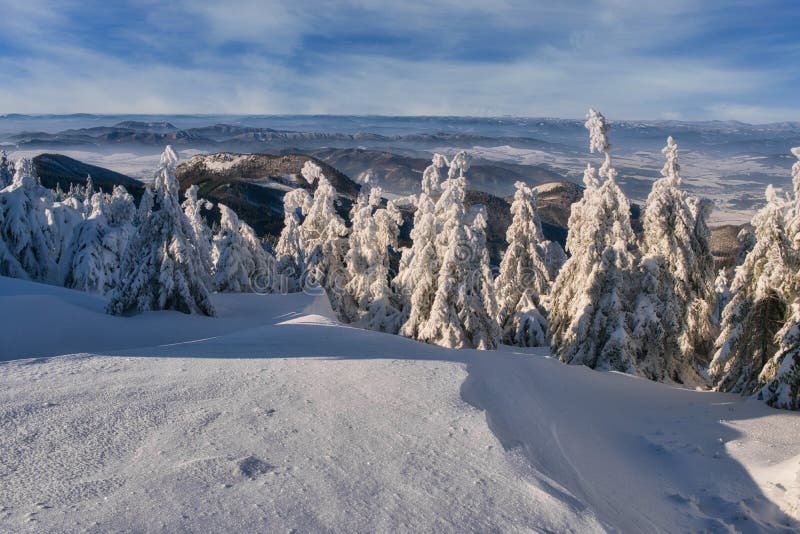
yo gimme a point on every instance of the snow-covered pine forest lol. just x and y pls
(648, 303)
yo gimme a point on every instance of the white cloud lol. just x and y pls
(561, 59)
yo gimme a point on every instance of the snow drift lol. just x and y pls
(273, 416)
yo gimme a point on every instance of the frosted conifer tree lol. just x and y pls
(88, 193)
(145, 206)
(479, 301)
(162, 268)
(701, 330)
(793, 211)
(362, 251)
(120, 209)
(524, 281)
(291, 261)
(432, 175)
(723, 294)
(554, 259)
(100, 242)
(240, 262)
(385, 308)
(590, 300)
(59, 193)
(65, 217)
(6, 170)
(672, 314)
(9, 264)
(747, 240)
(192, 207)
(463, 313)
(75, 192)
(26, 230)
(780, 377)
(419, 264)
(264, 279)
(323, 240)
(374, 231)
(779, 380)
(443, 325)
(762, 290)
(459, 165)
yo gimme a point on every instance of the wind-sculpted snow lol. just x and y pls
(274, 417)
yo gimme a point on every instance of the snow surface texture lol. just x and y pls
(274, 417)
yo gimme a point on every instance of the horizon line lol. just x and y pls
(12, 115)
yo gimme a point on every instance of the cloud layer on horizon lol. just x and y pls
(682, 59)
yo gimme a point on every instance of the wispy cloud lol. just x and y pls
(634, 59)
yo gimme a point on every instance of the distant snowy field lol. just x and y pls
(273, 417)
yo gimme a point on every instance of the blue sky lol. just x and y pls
(673, 59)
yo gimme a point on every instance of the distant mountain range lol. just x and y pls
(227, 137)
(352, 131)
(731, 162)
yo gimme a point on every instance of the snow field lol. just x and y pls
(274, 417)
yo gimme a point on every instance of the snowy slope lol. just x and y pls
(273, 417)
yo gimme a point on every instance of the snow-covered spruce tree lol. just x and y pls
(424, 204)
(385, 308)
(65, 217)
(374, 231)
(99, 243)
(92, 267)
(120, 208)
(575, 242)
(554, 259)
(6, 170)
(793, 212)
(264, 279)
(443, 326)
(722, 290)
(30, 239)
(162, 268)
(702, 330)
(463, 312)
(193, 207)
(323, 240)
(240, 262)
(291, 261)
(479, 302)
(763, 287)
(590, 300)
(419, 264)
(59, 193)
(361, 251)
(145, 208)
(88, 193)
(75, 191)
(524, 279)
(747, 240)
(9, 264)
(672, 321)
(779, 380)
